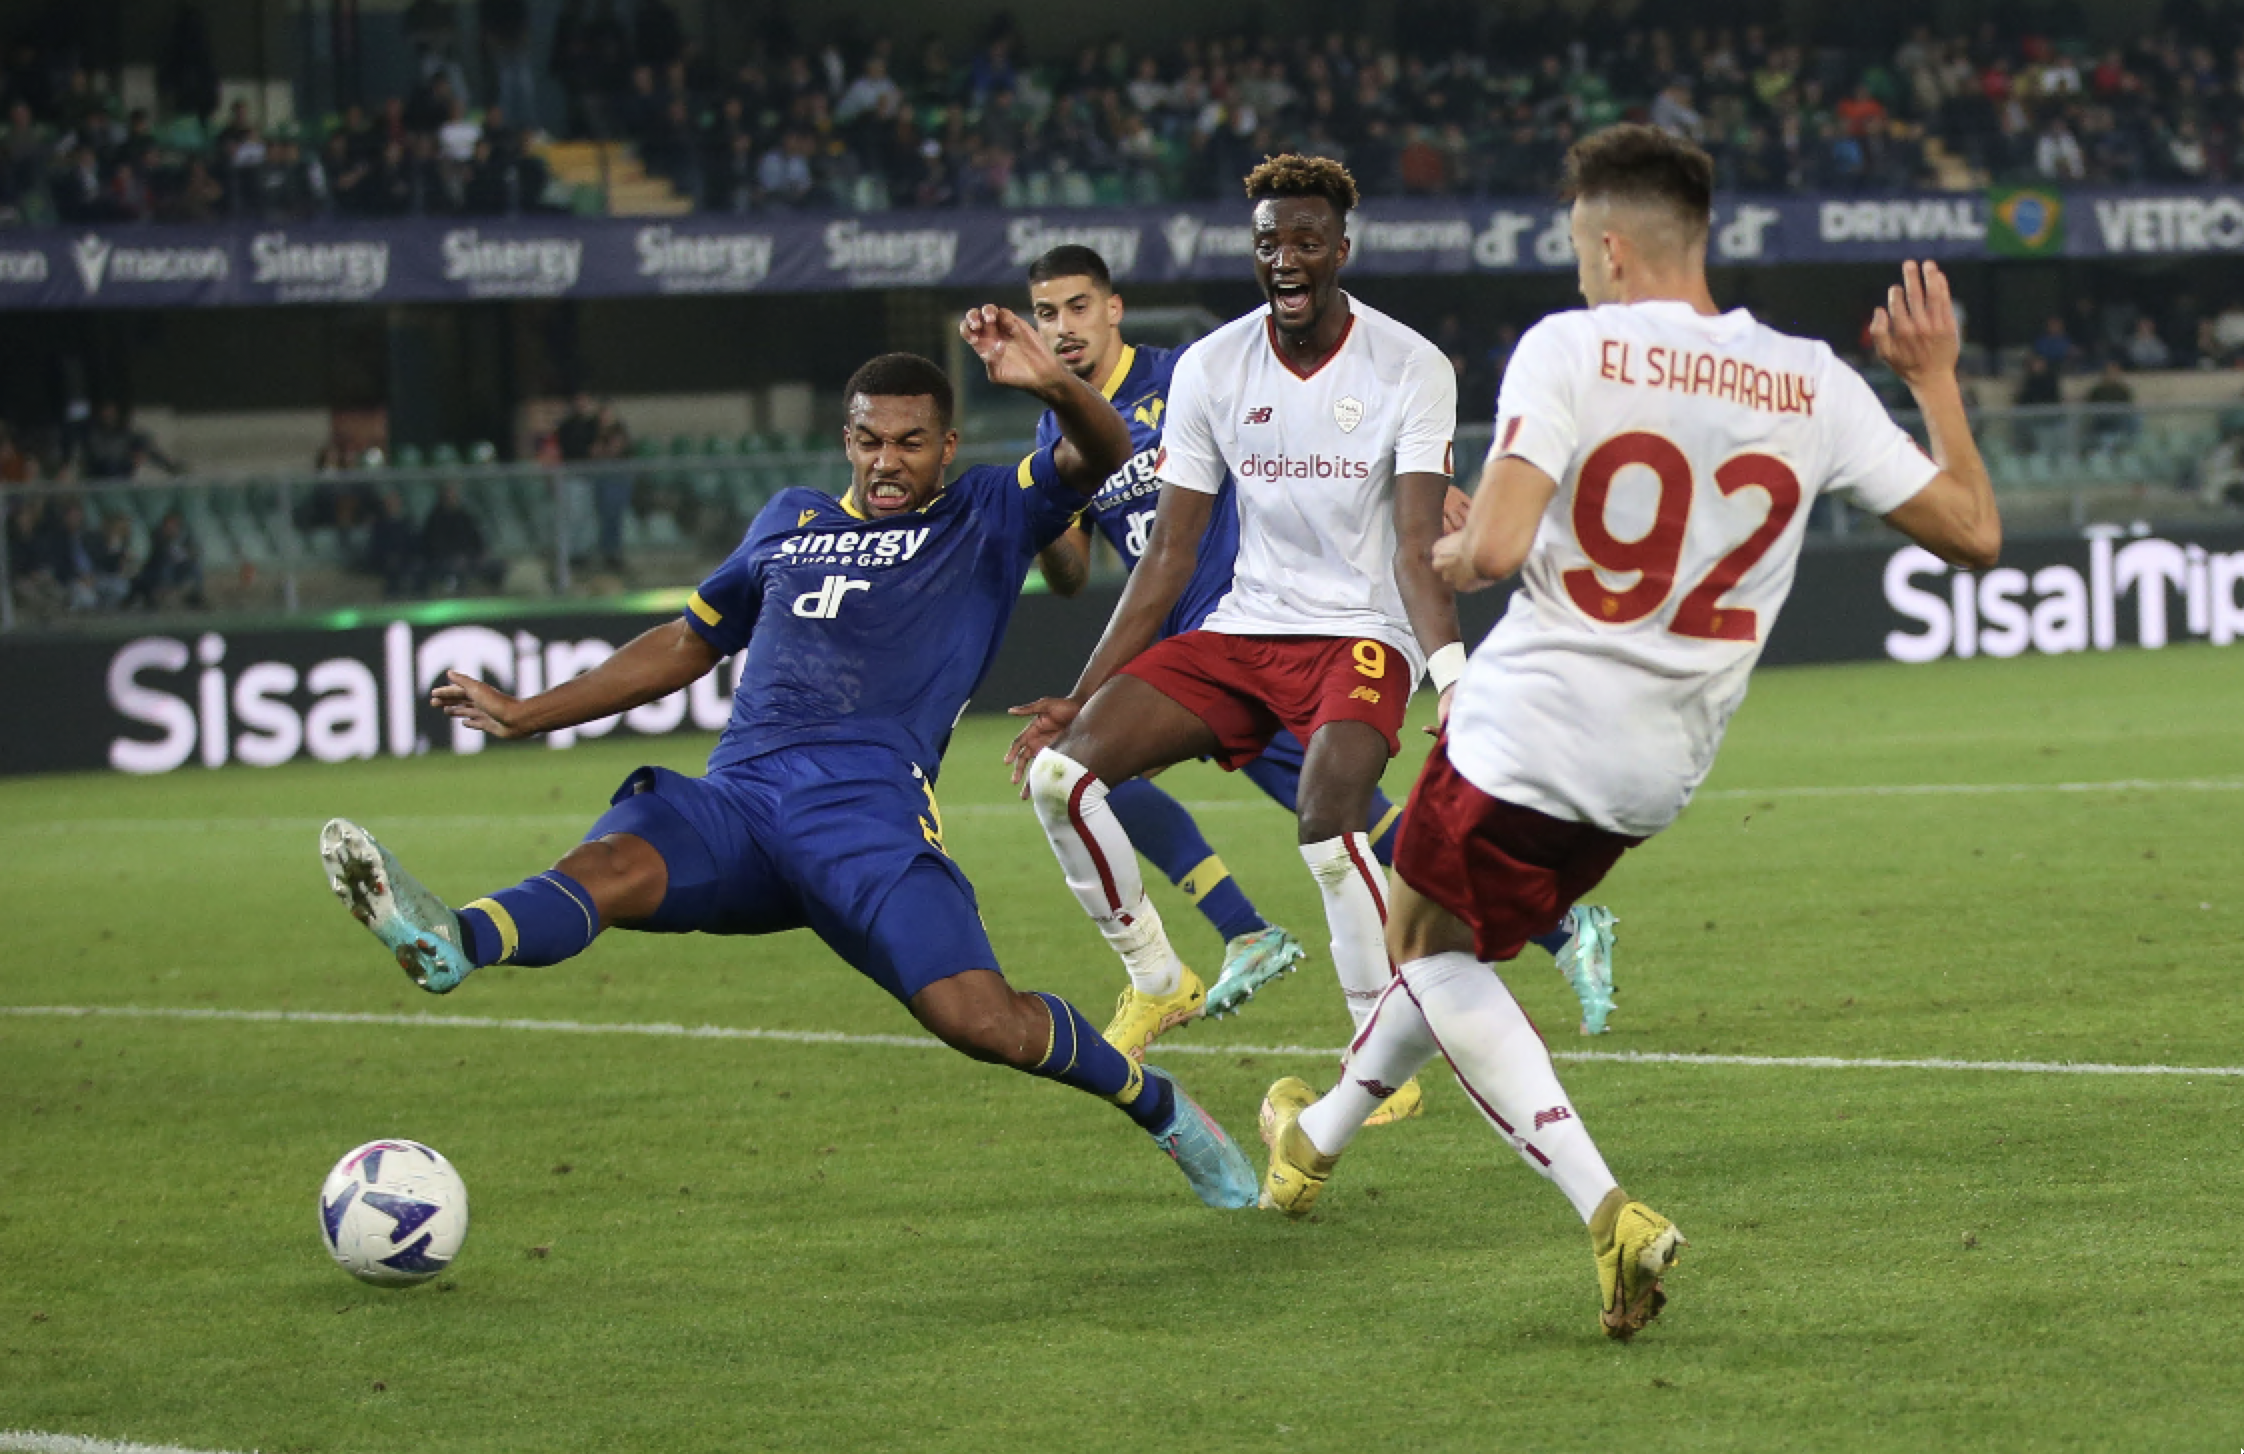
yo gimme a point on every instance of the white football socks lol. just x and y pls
(1101, 868)
(1356, 910)
(1505, 1068)
(1391, 1048)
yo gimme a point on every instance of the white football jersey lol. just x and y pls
(1687, 450)
(1315, 457)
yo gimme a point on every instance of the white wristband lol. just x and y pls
(1446, 666)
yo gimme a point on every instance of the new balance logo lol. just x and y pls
(1555, 1113)
(1365, 694)
(1374, 1088)
(1259, 416)
(825, 603)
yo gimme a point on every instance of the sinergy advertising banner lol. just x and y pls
(444, 260)
(161, 701)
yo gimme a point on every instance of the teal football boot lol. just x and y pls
(412, 923)
(1250, 962)
(1587, 962)
(1211, 1161)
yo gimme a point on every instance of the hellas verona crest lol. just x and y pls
(1348, 413)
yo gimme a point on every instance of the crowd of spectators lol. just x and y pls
(61, 559)
(72, 154)
(879, 124)
(916, 125)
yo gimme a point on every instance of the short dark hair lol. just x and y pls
(1643, 166)
(903, 375)
(1071, 260)
(1295, 175)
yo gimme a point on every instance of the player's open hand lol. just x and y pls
(1011, 349)
(480, 705)
(1454, 564)
(1048, 718)
(1916, 332)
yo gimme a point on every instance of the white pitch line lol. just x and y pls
(455, 822)
(29, 1441)
(660, 1030)
(1936, 790)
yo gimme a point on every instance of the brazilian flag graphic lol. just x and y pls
(2025, 222)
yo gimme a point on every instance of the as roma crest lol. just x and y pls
(1348, 413)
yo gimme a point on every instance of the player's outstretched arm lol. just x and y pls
(1500, 528)
(1066, 563)
(1162, 573)
(654, 665)
(1094, 442)
(1916, 335)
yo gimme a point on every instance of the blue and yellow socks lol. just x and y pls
(541, 920)
(1162, 829)
(1079, 1056)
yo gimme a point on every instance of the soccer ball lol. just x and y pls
(393, 1213)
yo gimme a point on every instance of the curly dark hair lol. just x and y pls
(905, 375)
(1294, 175)
(1643, 166)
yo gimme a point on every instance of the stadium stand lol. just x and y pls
(654, 123)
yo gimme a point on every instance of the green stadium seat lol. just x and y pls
(646, 448)
(445, 457)
(483, 451)
(753, 443)
(719, 446)
(409, 457)
(684, 446)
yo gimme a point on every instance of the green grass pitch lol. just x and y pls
(727, 1245)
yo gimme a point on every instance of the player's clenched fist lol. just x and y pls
(1453, 563)
(1916, 333)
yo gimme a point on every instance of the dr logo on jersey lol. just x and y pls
(825, 603)
(1141, 532)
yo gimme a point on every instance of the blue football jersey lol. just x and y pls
(875, 631)
(1123, 508)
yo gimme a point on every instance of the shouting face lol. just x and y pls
(1300, 244)
(898, 448)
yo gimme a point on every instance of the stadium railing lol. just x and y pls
(648, 527)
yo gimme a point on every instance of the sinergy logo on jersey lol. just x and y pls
(512, 267)
(313, 272)
(703, 262)
(1132, 481)
(861, 548)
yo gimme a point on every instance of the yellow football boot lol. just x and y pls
(1407, 1101)
(1139, 1019)
(1634, 1245)
(1297, 1168)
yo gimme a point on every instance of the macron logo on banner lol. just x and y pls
(91, 254)
(825, 603)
